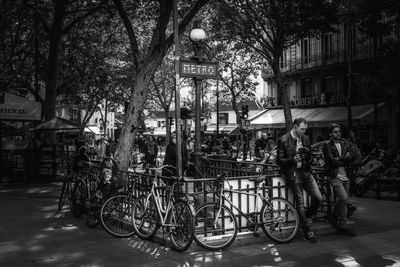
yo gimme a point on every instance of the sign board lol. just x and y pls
(194, 69)
(13, 107)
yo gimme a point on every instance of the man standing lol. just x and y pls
(260, 146)
(338, 158)
(295, 168)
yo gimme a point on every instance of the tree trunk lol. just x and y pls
(49, 105)
(131, 120)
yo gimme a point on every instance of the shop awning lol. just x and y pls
(17, 108)
(315, 116)
(92, 129)
(223, 129)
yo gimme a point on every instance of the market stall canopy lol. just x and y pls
(321, 116)
(17, 108)
(57, 124)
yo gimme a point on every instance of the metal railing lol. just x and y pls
(199, 191)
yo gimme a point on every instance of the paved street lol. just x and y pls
(32, 234)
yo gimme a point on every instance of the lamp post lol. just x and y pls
(197, 37)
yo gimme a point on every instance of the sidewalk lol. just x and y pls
(32, 234)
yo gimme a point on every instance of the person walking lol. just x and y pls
(338, 159)
(171, 157)
(296, 170)
(261, 145)
(226, 145)
(151, 150)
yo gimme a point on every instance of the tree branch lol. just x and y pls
(131, 33)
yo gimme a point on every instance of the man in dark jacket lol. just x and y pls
(261, 145)
(338, 157)
(171, 157)
(295, 168)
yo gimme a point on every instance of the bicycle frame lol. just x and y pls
(162, 213)
(257, 195)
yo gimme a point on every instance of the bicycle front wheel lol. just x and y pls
(144, 217)
(116, 216)
(182, 225)
(215, 226)
(280, 221)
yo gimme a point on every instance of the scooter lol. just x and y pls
(368, 174)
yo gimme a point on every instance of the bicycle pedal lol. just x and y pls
(256, 234)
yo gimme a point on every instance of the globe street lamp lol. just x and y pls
(197, 37)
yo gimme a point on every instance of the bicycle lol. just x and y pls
(66, 189)
(88, 178)
(217, 227)
(116, 211)
(149, 213)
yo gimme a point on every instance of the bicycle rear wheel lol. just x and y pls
(182, 229)
(215, 226)
(116, 216)
(78, 198)
(280, 221)
(144, 217)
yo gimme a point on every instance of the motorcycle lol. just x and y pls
(372, 169)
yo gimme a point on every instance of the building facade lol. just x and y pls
(333, 70)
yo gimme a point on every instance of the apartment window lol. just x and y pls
(306, 87)
(328, 46)
(223, 118)
(329, 85)
(284, 59)
(306, 51)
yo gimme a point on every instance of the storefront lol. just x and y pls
(273, 121)
(18, 116)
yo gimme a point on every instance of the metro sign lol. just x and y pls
(189, 68)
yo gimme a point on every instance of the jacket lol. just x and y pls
(171, 158)
(333, 160)
(286, 150)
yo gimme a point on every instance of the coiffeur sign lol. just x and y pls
(13, 107)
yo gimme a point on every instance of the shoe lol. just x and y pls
(350, 210)
(347, 231)
(310, 237)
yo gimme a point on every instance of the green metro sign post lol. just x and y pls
(198, 69)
